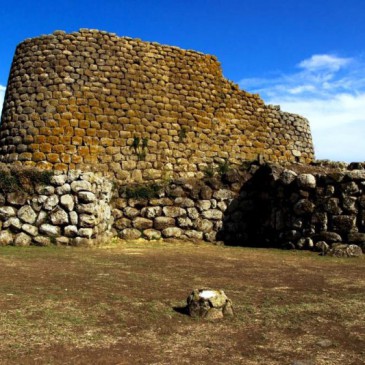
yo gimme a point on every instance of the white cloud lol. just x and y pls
(324, 62)
(2, 95)
(330, 92)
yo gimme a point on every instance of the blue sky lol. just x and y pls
(306, 55)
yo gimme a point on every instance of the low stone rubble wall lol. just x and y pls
(72, 208)
(266, 205)
(185, 210)
(282, 208)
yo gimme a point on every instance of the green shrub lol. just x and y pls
(23, 179)
(223, 167)
(209, 171)
(147, 191)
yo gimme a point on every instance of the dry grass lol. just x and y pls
(120, 305)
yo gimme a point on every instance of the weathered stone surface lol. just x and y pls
(161, 201)
(350, 188)
(64, 189)
(14, 223)
(85, 232)
(86, 196)
(22, 239)
(62, 241)
(356, 237)
(184, 222)
(193, 213)
(42, 240)
(349, 204)
(41, 218)
(203, 225)
(288, 176)
(151, 212)
(6, 238)
(122, 223)
(214, 214)
(131, 212)
(332, 206)
(74, 218)
(49, 230)
(173, 212)
(142, 223)
(203, 205)
(344, 223)
(27, 214)
(161, 223)
(322, 246)
(77, 97)
(45, 190)
(87, 221)
(130, 233)
(59, 217)
(152, 234)
(223, 194)
(51, 202)
(30, 229)
(70, 231)
(303, 206)
(59, 180)
(172, 232)
(341, 250)
(67, 201)
(184, 202)
(329, 237)
(88, 208)
(211, 236)
(17, 198)
(7, 212)
(80, 185)
(193, 234)
(206, 192)
(306, 181)
(209, 304)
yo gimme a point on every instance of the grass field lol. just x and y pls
(122, 304)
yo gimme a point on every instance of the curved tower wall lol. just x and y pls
(82, 100)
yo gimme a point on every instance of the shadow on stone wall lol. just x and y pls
(308, 209)
(246, 221)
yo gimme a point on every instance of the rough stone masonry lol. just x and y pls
(135, 111)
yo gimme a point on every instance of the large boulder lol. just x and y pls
(209, 304)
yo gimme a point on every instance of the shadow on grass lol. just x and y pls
(182, 310)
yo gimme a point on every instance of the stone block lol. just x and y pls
(142, 223)
(130, 234)
(160, 223)
(6, 238)
(344, 223)
(30, 229)
(151, 212)
(7, 212)
(151, 234)
(59, 217)
(80, 185)
(22, 239)
(172, 232)
(27, 214)
(49, 230)
(71, 231)
(173, 212)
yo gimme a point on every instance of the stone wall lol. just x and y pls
(82, 100)
(278, 207)
(190, 210)
(73, 208)
(268, 206)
